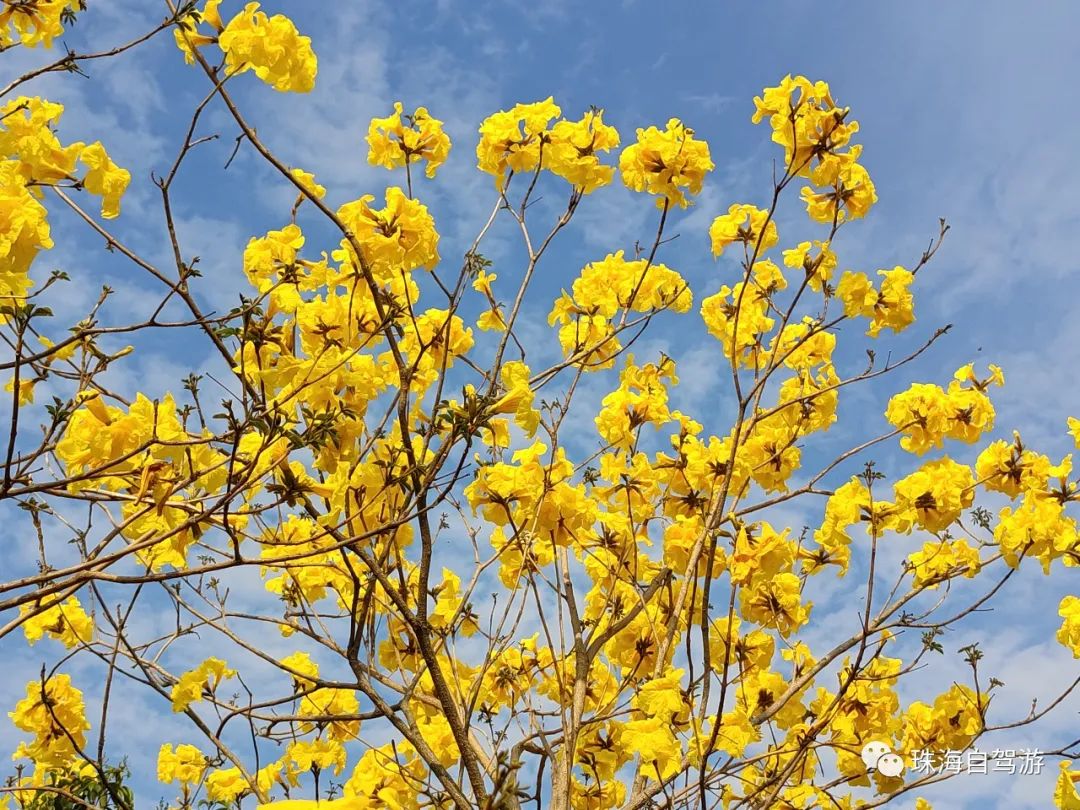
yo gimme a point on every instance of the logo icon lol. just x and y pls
(877, 756)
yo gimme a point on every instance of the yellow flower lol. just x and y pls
(186, 32)
(805, 120)
(393, 143)
(776, 603)
(679, 540)
(937, 561)
(389, 776)
(212, 15)
(937, 494)
(56, 716)
(437, 734)
(848, 505)
(267, 258)
(818, 266)
(652, 739)
(669, 164)
(226, 785)
(302, 668)
(184, 765)
(189, 688)
(66, 622)
(747, 224)
(857, 293)
(741, 337)
(892, 307)
(800, 352)
(401, 236)
(24, 232)
(895, 306)
(572, 151)
(1038, 528)
(1069, 633)
(1012, 468)
(27, 134)
(327, 703)
(455, 339)
(491, 320)
(922, 415)
(105, 178)
(272, 47)
(1065, 795)
(519, 397)
(323, 754)
(272, 775)
(307, 180)
(663, 697)
(36, 23)
(640, 399)
(447, 604)
(514, 139)
(26, 390)
(760, 553)
(736, 733)
(768, 277)
(849, 192)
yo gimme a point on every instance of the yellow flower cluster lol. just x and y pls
(31, 155)
(393, 142)
(1011, 468)
(573, 147)
(226, 785)
(813, 129)
(939, 561)
(640, 399)
(739, 318)
(401, 236)
(328, 702)
(272, 47)
(669, 163)
(849, 505)
(936, 495)
(951, 723)
(385, 777)
(190, 686)
(65, 621)
(184, 765)
(55, 714)
(1039, 527)
(523, 139)
(24, 232)
(743, 223)
(269, 46)
(926, 414)
(604, 288)
(146, 452)
(891, 307)
(35, 22)
(27, 136)
(815, 259)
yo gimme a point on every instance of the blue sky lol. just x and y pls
(967, 113)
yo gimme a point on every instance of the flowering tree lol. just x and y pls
(627, 629)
